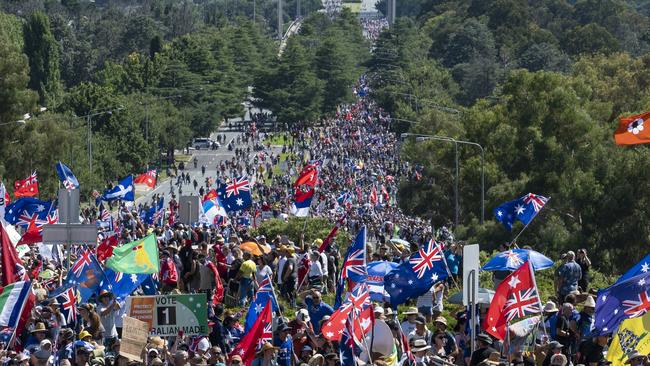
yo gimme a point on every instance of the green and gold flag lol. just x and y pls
(140, 256)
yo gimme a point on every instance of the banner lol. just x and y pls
(165, 315)
(632, 334)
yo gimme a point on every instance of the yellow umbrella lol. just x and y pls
(253, 248)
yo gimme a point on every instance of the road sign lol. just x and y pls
(70, 233)
(189, 209)
(167, 314)
(470, 279)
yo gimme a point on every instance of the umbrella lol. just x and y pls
(376, 272)
(484, 297)
(253, 248)
(510, 260)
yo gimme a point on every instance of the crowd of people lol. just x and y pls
(358, 157)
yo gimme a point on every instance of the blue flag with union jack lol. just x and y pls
(416, 276)
(523, 209)
(236, 195)
(623, 300)
(350, 346)
(66, 176)
(155, 214)
(86, 274)
(121, 284)
(262, 296)
(68, 306)
(354, 269)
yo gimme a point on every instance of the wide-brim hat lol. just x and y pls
(590, 302)
(441, 320)
(411, 311)
(40, 327)
(157, 342)
(267, 346)
(550, 307)
(555, 344)
(423, 348)
(484, 338)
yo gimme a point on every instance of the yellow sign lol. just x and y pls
(632, 334)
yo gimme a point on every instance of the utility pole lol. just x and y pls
(280, 19)
(393, 12)
(297, 9)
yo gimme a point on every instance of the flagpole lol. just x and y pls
(539, 298)
(274, 295)
(513, 242)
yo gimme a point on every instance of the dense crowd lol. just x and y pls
(357, 155)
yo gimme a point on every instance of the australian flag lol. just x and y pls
(236, 195)
(350, 346)
(121, 284)
(122, 191)
(623, 300)
(640, 268)
(415, 277)
(86, 274)
(155, 214)
(150, 284)
(523, 209)
(68, 306)
(30, 212)
(354, 267)
(68, 179)
(264, 294)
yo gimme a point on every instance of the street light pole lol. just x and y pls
(446, 138)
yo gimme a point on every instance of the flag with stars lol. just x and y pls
(86, 274)
(350, 346)
(155, 214)
(236, 195)
(357, 305)
(249, 343)
(516, 297)
(121, 284)
(27, 187)
(354, 269)
(29, 212)
(416, 276)
(623, 300)
(264, 293)
(523, 209)
(642, 267)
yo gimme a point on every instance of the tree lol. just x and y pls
(590, 39)
(43, 53)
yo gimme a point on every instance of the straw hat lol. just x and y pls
(420, 345)
(267, 346)
(411, 311)
(157, 342)
(590, 302)
(40, 327)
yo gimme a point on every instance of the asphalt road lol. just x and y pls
(208, 158)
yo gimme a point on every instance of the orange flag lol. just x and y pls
(633, 130)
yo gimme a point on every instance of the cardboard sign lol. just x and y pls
(134, 337)
(167, 314)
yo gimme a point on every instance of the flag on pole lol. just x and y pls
(358, 303)
(631, 335)
(259, 333)
(4, 201)
(328, 239)
(623, 300)
(68, 306)
(86, 274)
(516, 297)
(302, 201)
(146, 180)
(236, 195)
(16, 303)
(122, 191)
(523, 209)
(140, 256)
(354, 269)
(27, 187)
(13, 269)
(262, 296)
(632, 130)
(416, 276)
(66, 176)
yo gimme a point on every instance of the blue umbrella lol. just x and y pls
(375, 280)
(510, 260)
